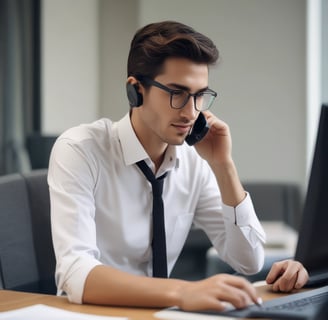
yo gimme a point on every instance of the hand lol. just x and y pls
(213, 293)
(287, 275)
(215, 147)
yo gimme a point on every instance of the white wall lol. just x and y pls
(70, 60)
(325, 51)
(314, 65)
(261, 79)
(118, 23)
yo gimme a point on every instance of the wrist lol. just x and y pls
(232, 191)
(222, 165)
(175, 295)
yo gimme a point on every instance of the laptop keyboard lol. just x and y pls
(301, 304)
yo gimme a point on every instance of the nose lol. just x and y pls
(189, 110)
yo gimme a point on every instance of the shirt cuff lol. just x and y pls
(243, 215)
(74, 286)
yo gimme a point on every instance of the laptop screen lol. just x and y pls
(312, 246)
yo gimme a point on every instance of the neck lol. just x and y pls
(153, 145)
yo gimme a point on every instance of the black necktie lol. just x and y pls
(158, 242)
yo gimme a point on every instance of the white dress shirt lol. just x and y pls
(101, 206)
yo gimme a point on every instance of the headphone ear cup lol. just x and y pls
(134, 96)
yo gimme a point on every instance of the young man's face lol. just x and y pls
(173, 125)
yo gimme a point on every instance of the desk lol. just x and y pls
(10, 300)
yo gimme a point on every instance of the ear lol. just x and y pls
(132, 90)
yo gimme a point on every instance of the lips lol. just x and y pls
(182, 128)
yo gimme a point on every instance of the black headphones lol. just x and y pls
(134, 96)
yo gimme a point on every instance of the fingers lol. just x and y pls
(216, 292)
(302, 278)
(275, 272)
(235, 290)
(242, 292)
(287, 275)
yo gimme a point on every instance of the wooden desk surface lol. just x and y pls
(10, 300)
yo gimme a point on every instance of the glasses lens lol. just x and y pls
(179, 99)
(203, 100)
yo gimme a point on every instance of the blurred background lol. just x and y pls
(63, 63)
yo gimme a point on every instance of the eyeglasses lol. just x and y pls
(203, 100)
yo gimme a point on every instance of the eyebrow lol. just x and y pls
(181, 87)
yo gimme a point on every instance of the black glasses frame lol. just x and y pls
(172, 92)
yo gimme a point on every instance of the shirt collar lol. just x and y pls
(133, 151)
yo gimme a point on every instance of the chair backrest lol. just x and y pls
(39, 148)
(27, 261)
(17, 255)
(39, 200)
(276, 201)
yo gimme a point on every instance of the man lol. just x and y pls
(101, 201)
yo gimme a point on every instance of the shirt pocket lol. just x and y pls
(177, 229)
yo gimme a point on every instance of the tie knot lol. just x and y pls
(157, 184)
(148, 173)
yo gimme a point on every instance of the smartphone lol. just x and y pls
(198, 131)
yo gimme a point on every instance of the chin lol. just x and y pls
(176, 142)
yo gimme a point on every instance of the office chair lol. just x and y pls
(276, 201)
(18, 265)
(191, 264)
(39, 200)
(27, 260)
(39, 148)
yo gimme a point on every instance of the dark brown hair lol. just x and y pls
(156, 42)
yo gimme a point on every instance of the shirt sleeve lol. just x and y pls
(235, 232)
(243, 248)
(244, 216)
(71, 181)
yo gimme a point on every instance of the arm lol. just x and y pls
(216, 149)
(108, 286)
(242, 245)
